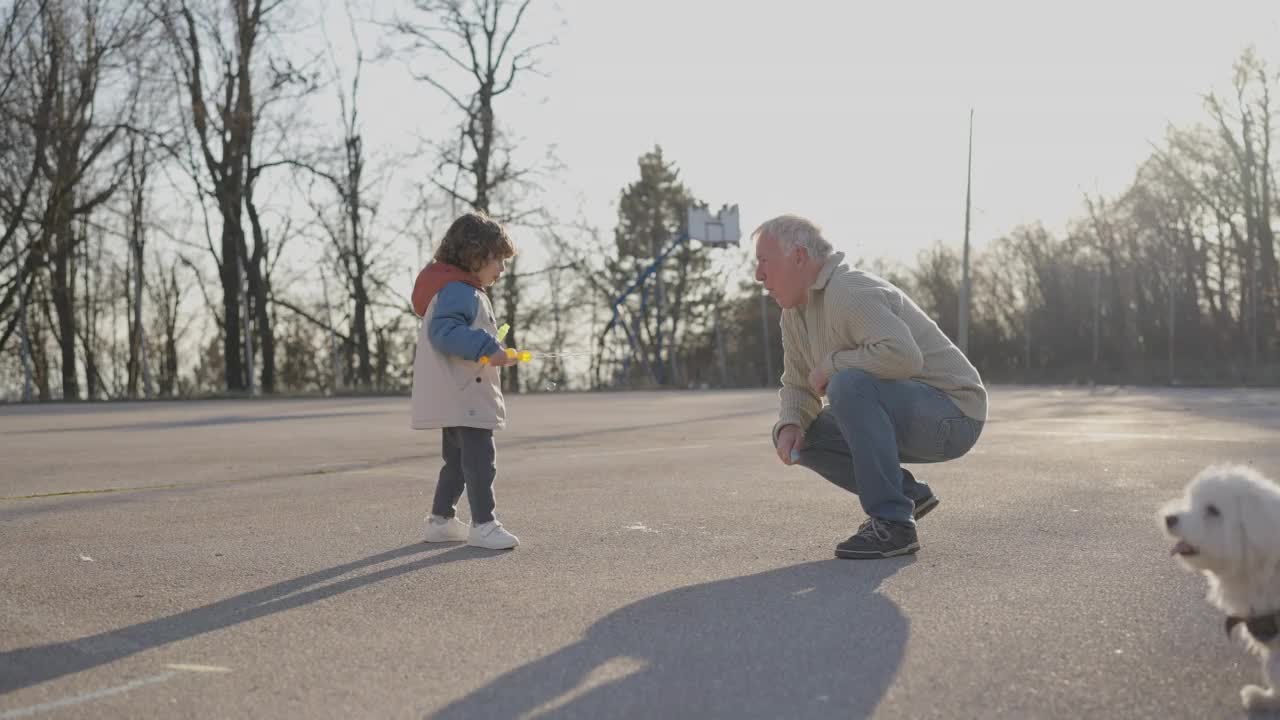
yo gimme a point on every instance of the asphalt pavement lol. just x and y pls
(263, 558)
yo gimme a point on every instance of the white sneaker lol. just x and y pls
(492, 536)
(440, 529)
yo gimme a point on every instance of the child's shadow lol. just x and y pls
(29, 666)
(812, 640)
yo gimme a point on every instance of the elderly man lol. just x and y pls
(898, 390)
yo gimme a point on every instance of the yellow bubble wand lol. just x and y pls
(527, 355)
(520, 355)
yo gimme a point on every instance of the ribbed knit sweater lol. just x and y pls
(854, 319)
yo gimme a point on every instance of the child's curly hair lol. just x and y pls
(472, 240)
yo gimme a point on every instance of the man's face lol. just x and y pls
(783, 275)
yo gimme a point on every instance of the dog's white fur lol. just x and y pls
(1228, 527)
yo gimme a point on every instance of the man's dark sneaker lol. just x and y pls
(879, 539)
(924, 505)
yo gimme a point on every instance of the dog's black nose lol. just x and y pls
(1171, 521)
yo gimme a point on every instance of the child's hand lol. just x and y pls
(501, 359)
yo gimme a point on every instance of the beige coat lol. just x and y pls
(854, 319)
(449, 391)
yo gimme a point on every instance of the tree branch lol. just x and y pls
(308, 317)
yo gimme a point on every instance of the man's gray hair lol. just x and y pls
(793, 231)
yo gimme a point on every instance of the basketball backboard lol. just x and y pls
(718, 230)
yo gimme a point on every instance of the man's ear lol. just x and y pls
(801, 256)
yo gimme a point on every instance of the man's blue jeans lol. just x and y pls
(872, 426)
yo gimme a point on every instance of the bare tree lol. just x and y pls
(166, 297)
(139, 163)
(97, 278)
(552, 374)
(1245, 128)
(23, 99)
(72, 63)
(476, 55)
(595, 262)
(219, 89)
(347, 227)
(287, 85)
(39, 322)
(147, 137)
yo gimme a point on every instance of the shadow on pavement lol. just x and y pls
(192, 423)
(25, 667)
(30, 506)
(810, 641)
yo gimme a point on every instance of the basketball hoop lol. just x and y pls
(719, 230)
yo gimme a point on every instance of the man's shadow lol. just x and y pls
(29, 666)
(813, 640)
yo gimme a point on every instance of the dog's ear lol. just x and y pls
(1255, 524)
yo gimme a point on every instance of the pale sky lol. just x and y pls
(855, 114)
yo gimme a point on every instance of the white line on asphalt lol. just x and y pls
(86, 697)
(175, 668)
(1080, 419)
(763, 443)
(1095, 435)
(633, 451)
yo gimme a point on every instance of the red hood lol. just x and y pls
(432, 280)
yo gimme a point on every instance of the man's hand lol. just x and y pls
(818, 380)
(790, 438)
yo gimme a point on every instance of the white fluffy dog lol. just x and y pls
(1227, 525)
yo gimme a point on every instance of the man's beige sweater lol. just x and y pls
(854, 319)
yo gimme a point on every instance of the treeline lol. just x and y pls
(176, 221)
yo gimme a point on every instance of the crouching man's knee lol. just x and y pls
(850, 385)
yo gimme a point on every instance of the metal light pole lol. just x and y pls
(964, 282)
